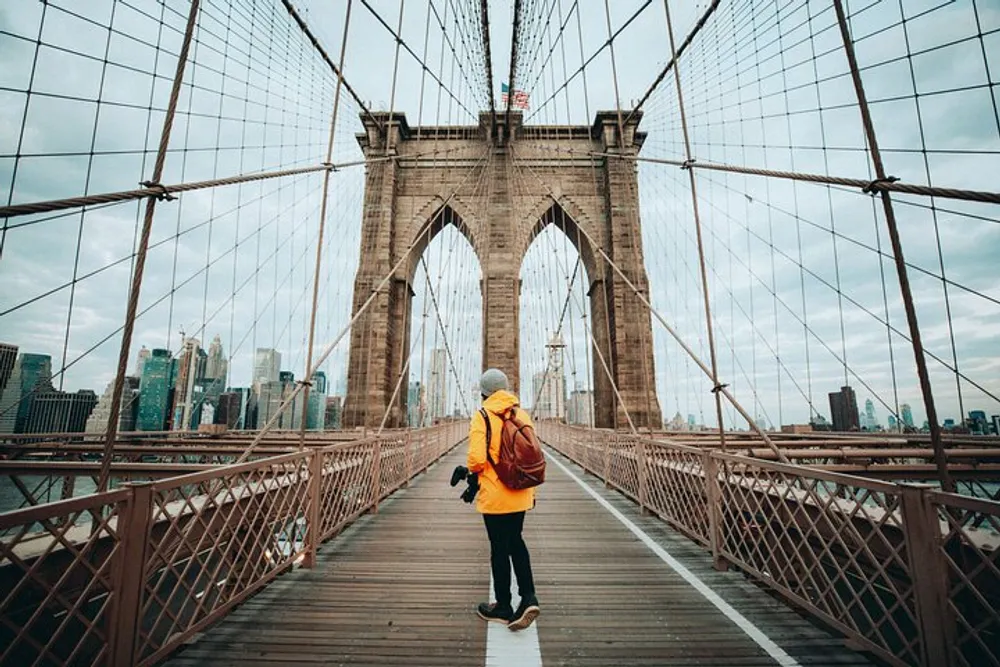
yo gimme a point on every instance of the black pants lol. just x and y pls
(507, 546)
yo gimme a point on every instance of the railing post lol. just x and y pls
(424, 448)
(406, 457)
(922, 531)
(713, 499)
(607, 460)
(126, 612)
(640, 462)
(376, 474)
(315, 530)
(586, 453)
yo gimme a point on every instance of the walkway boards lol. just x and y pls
(399, 588)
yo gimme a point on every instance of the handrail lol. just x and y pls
(905, 571)
(124, 577)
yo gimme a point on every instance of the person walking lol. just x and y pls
(503, 509)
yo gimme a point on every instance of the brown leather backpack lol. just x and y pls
(521, 464)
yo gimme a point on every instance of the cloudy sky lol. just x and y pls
(803, 289)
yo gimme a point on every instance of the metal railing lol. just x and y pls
(126, 576)
(907, 572)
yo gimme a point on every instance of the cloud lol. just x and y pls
(768, 88)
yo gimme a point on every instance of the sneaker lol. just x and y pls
(525, 615)
(495, 612)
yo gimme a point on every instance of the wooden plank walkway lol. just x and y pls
(400, 587)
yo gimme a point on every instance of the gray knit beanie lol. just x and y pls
(493, 380)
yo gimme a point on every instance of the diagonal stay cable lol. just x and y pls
(563, 22)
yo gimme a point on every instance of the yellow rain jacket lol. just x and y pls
(493, 496)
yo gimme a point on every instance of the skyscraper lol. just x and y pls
(319, 382)
(267, 365)
(978, 423)
(54, 411)
(250, 413)
(140, 361)
(437, 385)
(578, 407)
(416, 410)
(270, 396)
(870, 422)
(316, 413)
(99, 418)
(266, 397)
(291, 418)
(844, 410)
(216, 364)
(154, 391)
(8, 357)
(191, 363)
(334, 408)
(557, 378)
(907, 415)
(32, 373)
(549, 387)
(539, 407)
(213, 382)
(233, 408)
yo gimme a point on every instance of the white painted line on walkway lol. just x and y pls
(506, 648)
(741, 621)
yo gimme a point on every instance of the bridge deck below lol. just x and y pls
(400, 587)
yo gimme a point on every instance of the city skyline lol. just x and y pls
(163, 389)
(61, 405)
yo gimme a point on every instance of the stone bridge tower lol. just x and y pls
(501, 189)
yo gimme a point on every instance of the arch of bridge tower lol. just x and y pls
(570, 219)
(557, 214)
(454, 213)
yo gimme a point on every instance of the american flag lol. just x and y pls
(519, 101)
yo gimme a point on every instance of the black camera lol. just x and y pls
(461, 473)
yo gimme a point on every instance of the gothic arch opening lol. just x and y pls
(445, 327)
(556, 216)
(556, 353)
(451, 215)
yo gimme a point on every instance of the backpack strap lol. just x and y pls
(510, 414)
(489, 436)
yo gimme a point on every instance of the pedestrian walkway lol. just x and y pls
(616, 588)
